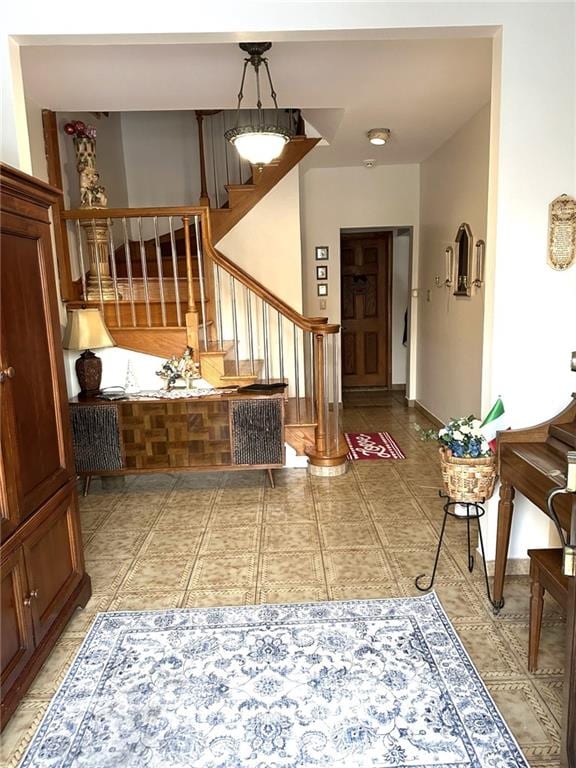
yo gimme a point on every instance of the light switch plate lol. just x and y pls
(322, 303)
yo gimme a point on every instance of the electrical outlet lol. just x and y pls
(322, 303)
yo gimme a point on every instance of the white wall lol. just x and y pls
(454, 189)
(161, 158)
(346, 198)
(400, 300)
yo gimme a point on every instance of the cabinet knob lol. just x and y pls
(32, 596)
(7, 373)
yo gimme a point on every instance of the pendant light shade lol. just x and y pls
(260, 142)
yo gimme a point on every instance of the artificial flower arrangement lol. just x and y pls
(467, 460)
(464, 438)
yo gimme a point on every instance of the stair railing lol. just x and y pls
(157, 268)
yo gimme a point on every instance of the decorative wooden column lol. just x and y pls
(200, 115)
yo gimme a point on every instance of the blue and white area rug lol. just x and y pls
(352, 684)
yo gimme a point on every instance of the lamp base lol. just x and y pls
(89, 373)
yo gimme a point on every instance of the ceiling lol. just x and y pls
(423, 90)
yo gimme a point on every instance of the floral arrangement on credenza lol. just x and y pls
(175, 368)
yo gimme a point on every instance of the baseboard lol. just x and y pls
(425, 412)
(398, 387)
(519, 566)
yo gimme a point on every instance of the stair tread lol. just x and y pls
(218, 348)
(239, 187)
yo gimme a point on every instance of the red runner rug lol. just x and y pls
(372, 445)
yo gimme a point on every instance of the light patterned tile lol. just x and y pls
(395, 533)
(183, 543)
(300, 537)
(223, 570)
(146, 601)
(19, 731)
(356, 567)
(528, 717)
(133, 516)
(552, 645)
(179, 519)
(245, 538)
(157, 574)
(410, 562)
(54, 668)
(212, 598)
(378, 591)
(348, 536)
(124, 543)
(247, 514)
(287, 569)
(292, 595)
(106, 575)
(279, 512)
(490, 654)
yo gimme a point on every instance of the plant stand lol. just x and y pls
(474, 511)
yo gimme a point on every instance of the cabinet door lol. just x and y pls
(35, 436)
(53, 558)
(17, 639)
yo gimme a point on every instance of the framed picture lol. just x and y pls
(322, 289)
(322, 272)
(321, 253)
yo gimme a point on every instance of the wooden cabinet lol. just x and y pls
(41, 562)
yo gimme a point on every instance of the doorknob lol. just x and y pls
(32, 596)
(7, 373)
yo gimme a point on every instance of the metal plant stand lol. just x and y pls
(474, 511)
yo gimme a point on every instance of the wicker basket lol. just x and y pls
(467, 479)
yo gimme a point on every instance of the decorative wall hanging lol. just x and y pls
(322, 289)
(463, 282)
(321, 253)
(562, 232)
(322, 272)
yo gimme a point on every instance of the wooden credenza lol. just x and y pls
(41, 561)
(222, 432)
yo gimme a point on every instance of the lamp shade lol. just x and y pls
(86, 330)
(258, 146)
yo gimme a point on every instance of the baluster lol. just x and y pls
(319, 366)
(326, 388)
(114, 272)
(280, 345)
(144, 272)
(311, 374)
(214, 164)
(204, 198)
(226, 144)
(128, 255)
(189, 273)
(220, 326)
(296, 371)
(234, 322)
(96, 261)
(266, 341)
(81, 256)
(174, 255)
(200, 258)
(160, 272)
(249, 325)
(336, 387)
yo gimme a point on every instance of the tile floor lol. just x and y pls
(164, 541)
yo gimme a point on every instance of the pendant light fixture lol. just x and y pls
(260, 142)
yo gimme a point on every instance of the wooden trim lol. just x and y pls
(52, 148)
(429, 415)
(131, 213)
(389, 279)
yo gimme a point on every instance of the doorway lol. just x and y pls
(366, 309)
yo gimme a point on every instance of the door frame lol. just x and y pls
(396, 230)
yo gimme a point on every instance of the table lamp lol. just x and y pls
(86, 329)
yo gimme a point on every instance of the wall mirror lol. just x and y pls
(463, 282)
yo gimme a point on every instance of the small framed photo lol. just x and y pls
(322, 272)
(322, 289)
(321, 253)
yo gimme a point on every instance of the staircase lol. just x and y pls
(162, 286)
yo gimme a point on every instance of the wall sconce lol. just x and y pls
(449, 267)
(478, 281)
(562, 232)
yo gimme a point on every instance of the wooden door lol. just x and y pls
(35, 443)
(366, 305)
(53, 559)
(17, 636)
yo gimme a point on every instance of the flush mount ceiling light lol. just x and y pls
(378, 136)
(260, 142)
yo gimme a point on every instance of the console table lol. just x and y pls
(215, 432)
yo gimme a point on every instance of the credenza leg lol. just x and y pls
(505, 510)
(86, 487)
(271, 478)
